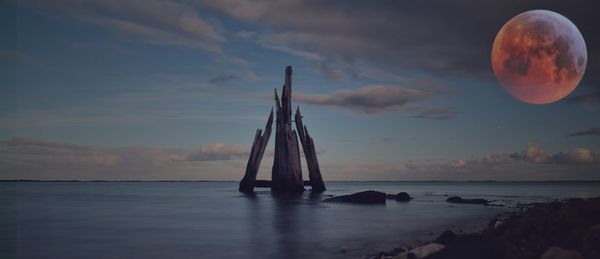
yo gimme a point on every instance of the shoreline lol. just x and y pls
(567, 228)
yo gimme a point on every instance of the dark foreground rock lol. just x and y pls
(457, 199)
(366, 197)
(561, 229)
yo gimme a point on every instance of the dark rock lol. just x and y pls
(591, 242)
(457, 199)
(559, 253)
(471, 246)
(402, 196)
(426, 250)
(366, 197)
(397, 250)
(445, 238)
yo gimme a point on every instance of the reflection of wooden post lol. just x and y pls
(308, 145)
(287, 171)
(258, 149)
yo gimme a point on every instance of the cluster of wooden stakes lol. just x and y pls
(286, 174)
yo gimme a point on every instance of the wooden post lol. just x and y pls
(256, 153)
(287, 171)
(308, 145)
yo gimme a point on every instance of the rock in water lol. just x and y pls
(366, 197)
(559, 253)
(402, 196)
(457, 199)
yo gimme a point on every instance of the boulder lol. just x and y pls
(445, 238)
(366, 197)
(425, 250)
(591, 242)
(457, 199)
(471, 246)
(559, 253)
(402, 196)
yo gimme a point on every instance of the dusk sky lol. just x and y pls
(174, 90)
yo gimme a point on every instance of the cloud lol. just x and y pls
(439, 38)
(535, 154)
(17, 56)
(532, 163)
(19, 151)
(154, 21)
(372, 99)
(221, 80)
(576, 156)
(245, 34)
(589, 132)
(385, 140)
(590, 99)
(217, 152)
(437, 114)
(33, 159)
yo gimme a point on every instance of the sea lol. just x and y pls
(213, 220)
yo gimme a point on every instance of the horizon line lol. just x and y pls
(450, 181)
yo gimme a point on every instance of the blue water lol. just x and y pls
(213, 220)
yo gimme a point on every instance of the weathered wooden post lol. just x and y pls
(256, 153)
(308, 145)
(286, 172)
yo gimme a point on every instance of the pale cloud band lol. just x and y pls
(41, 160)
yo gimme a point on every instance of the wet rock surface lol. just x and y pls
(366, 197)
(559, 229)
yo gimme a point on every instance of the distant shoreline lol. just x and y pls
(338, 181)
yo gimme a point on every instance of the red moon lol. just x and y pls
(539, 57)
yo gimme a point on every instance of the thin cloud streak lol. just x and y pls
(377, 99)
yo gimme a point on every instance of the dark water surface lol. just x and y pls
(213, 220)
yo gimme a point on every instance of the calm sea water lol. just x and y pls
(213, 220)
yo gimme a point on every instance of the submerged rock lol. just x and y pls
(457, 199)
(366, 197)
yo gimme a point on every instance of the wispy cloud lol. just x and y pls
(420, 36)
(33, 159)
(376, 99)
(589, 99)
(17, 56)
(153, 21)
(532, 163)
(440, 113)
(216, 152)
(589, 132)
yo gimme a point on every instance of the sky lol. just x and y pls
(175, 90)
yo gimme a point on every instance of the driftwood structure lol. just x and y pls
(286, 174)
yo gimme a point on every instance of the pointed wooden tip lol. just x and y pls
(288, 70)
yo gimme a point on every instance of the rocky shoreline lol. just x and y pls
(553, 230)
